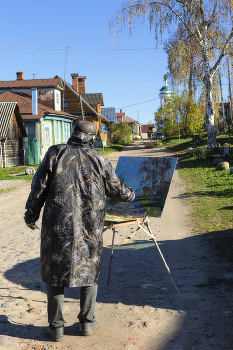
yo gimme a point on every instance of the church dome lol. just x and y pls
(165, 88)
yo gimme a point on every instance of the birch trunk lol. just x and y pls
(208, 82)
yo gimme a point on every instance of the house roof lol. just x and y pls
(30, 83)
(110, 114)
(126, 120)
(120, 114)
(93, 99)
(59, 83)
(6, 111)
(25, 106)
(129, 120)
(86, 104)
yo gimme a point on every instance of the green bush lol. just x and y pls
(121, 132)
(199, 153)
(154, 144)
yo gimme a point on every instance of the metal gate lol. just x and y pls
(31, 152)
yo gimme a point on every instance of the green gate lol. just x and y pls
(32, 152)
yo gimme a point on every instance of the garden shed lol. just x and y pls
(12, 131)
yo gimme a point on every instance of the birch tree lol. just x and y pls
(208, 22)
(185, 68)
(191, 118)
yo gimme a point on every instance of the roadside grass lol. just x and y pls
(16, 173)
(176, 145)
(209, 193)
(112, 148)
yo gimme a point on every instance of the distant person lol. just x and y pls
(72, 181)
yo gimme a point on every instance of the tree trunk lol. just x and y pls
(209, 117)
(210, 112)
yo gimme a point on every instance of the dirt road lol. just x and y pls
(141, 308)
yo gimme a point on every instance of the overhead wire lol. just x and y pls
(70, 49)
(139, 103)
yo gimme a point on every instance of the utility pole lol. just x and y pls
(139, 124)
(81, 105)
(64, 80)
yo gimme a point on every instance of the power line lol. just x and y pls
(70, 49)
(139, 103)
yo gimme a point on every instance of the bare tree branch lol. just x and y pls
(214, 14)
(222, 54)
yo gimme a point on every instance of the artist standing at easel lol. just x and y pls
(72, 181)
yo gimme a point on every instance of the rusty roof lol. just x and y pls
(53, 82)
(129, 120)
(126, 120)
(25, 106)
(30, 83)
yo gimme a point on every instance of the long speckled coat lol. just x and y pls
(72, 181)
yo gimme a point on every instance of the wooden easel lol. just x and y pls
(114, 220)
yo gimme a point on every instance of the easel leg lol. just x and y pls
(111, 255)
(161, 255)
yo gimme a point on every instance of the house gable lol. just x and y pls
(11, 124)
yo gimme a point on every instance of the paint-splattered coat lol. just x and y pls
(72, 181)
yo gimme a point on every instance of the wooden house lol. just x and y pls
(59, 95)
(48, 126)
(12, 131)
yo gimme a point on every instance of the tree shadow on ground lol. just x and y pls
(200, 266)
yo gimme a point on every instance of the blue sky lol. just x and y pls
(125, 78)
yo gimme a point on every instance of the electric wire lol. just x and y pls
(139, 103)
(70, 49)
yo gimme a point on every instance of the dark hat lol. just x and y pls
(85, 127)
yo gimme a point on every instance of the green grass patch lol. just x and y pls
(177, 145)
(16, 173)
(112, 148)
(210, 194)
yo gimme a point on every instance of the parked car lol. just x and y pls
(158, 135)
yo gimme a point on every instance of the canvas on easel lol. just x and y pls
(150, 178)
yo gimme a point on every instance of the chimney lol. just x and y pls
(75, 81)
(34, 102)
(20, 75)
(81, 85)
(78, 83)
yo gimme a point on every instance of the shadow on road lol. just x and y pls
(138, 277)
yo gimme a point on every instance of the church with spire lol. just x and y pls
(165, 91)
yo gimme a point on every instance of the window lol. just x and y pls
(64, 103)
(58, 131)
(46, 134)
(57, 97)
(66, 131)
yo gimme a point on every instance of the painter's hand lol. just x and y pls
(132, 194)
(32, 226)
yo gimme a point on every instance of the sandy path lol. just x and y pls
(141, 308)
